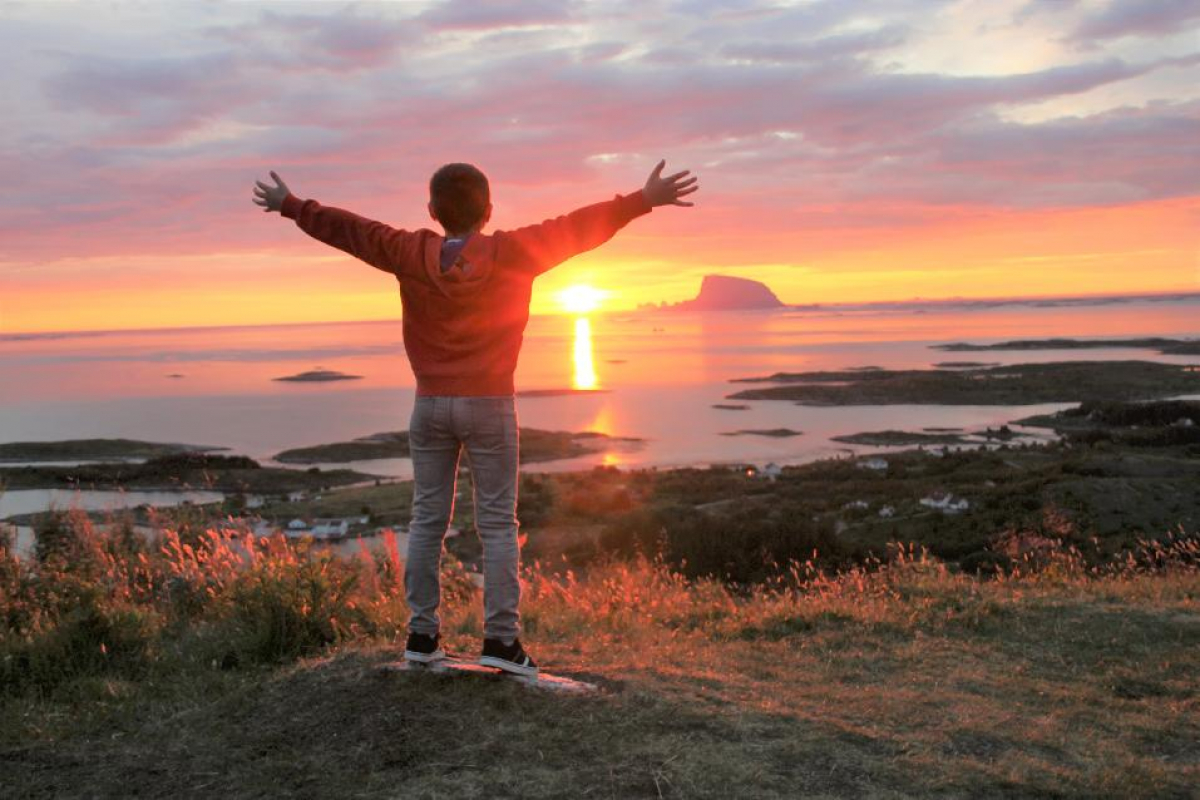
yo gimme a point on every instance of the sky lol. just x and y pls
(847, 151)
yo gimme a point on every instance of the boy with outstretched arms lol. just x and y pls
(465, 297)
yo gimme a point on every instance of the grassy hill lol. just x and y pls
(202, 669)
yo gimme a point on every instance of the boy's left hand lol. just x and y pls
(270, 197)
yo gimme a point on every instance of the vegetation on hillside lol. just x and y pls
(163, 667)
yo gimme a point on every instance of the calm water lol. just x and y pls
(662, 374)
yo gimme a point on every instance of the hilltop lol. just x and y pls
(898, 681)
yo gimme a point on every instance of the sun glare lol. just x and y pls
(581, 299)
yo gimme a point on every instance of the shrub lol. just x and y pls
(96, 637)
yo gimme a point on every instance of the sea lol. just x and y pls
(649, 375)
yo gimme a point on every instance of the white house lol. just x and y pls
(873, 463)
(254, 501)
(887, 512)
(330, 528)
(771, 471)
(295, 497)
(297, 525)
(945, 502)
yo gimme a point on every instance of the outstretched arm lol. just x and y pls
(540, 247)
(379, 245)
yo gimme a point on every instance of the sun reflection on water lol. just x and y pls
(585, 363)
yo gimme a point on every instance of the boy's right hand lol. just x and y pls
(660, 191)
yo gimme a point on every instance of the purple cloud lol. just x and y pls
(1137, 18)
(466, 15)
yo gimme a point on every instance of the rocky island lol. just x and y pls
(725, 293)
(318, 376)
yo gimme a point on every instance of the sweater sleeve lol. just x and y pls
(381, 246)
(537, 248)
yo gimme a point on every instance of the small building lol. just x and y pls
(859, 504)
(330, 528)
(295, 497)
(254, 501)
(887, 512)
(771, 471)
(945, 502)
(297, 525)
(878, 464)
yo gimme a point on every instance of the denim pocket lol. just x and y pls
(493, 419)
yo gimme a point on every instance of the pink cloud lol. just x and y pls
(157, 152)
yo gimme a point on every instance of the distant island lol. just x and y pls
(1170, 347)
(559, 392)
(776, 433)
(96, 450)
(318, 375)
(725, 293)
(1014, 384)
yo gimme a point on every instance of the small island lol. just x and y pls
(536, 445)
(319, 376)
(731, 406)
(891, 438)
(559, 392)
(774, 433)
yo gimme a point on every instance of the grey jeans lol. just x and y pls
(441, 428)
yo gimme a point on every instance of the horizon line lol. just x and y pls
(644, 307)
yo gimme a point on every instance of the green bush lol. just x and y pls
(298, 609)
(94, 638)
(735, 548)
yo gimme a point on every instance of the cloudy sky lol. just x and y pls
(848, 151)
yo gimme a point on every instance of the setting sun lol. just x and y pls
(581, 299)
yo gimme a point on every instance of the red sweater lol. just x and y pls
(463, 328)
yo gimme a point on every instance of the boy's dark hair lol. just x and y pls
(460, 195)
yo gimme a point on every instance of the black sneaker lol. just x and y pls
(423, 649)
(508, 657)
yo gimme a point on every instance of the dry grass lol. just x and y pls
(253, 672)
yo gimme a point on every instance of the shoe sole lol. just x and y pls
(424, 658)
(508, 666)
